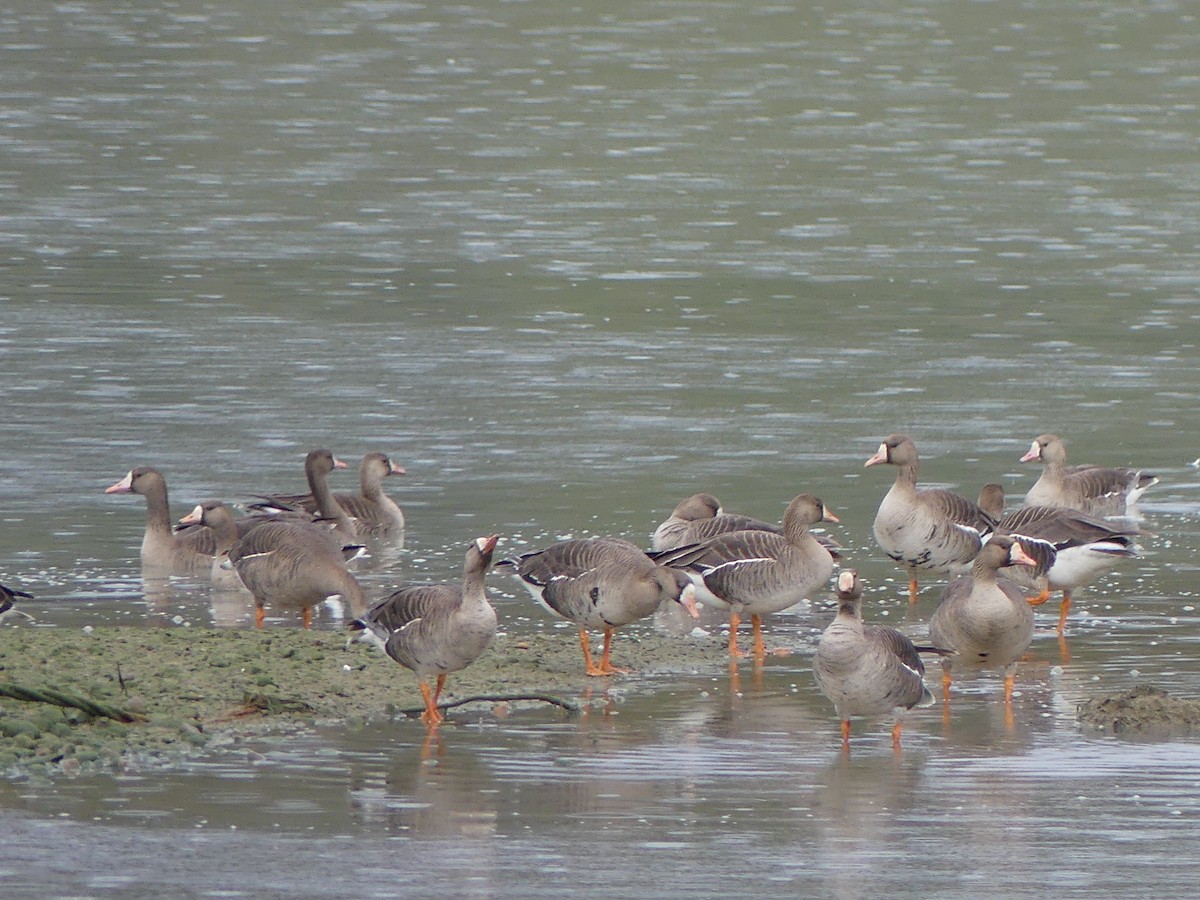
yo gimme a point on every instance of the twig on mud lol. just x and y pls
(496, 698)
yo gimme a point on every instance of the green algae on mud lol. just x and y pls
(199, 688)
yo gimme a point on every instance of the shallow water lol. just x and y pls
(568, 270)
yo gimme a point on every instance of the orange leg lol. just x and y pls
(1062, 612)
(606, 666)
(912, 588)
(896, 729)
(260, 615)
(734, 621)
(846, 735)
(1009, 681)
(431, 717)
(946, 685)
(1040, 598)
(760, 648)
(306, 616)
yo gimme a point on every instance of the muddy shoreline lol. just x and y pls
(196, 690)
(192, 691)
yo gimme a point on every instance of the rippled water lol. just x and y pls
(567, 266)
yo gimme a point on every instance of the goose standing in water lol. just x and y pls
(1084, 547)
(759, 572)
(924, 528)
(435, 629)
(188, 552)
(294, 566)
(373, 511)
(984, 617)
(1096, 490)
(867, 670)
(599, 583)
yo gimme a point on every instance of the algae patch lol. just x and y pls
(1144, 709)
(192, 690)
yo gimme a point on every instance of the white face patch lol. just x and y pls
(845, 580)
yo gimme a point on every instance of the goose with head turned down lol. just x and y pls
(867, 670)
(600, 582)
(435, 629)
(924, 528)
(985, 617)
(758, 572)
(1096, 490)
(1082, 547)
(373, 511)
(294, 565)
(187, 552)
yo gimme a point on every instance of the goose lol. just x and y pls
(924, 528)
(317, 466)
(699, 517)
(1096, 490)
(8, 597)
(187, 552)
(217, 518)
(867, 670)
(373, 511)
(983, 616)
(759, 572)
(1084, 547)
(600, 582)
(294, 565)
(435, 629)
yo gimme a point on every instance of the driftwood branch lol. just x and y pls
(496, 698)
(56, 697)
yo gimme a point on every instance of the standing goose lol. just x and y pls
(924, 528)
(317, 466)
(373, 511)
(1084, 547)
(984, 617)
(599, 583)
(759, 572)
(294, 565)
(186, 552)
(701, 517)
(8, 597)
(867, 670)
(435, 629)
(1096, 490)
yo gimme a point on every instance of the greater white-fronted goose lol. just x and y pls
(435, 629)
(1096, 490)
(8, 598)
(294, 566)
(983, 616)
(187, 552)
(317, 466)
(759, 572)
(924, 528)
(373, 511)
(1084, 546)
(867, 670)
(217, 518)
(701, 517)
(600, 583)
